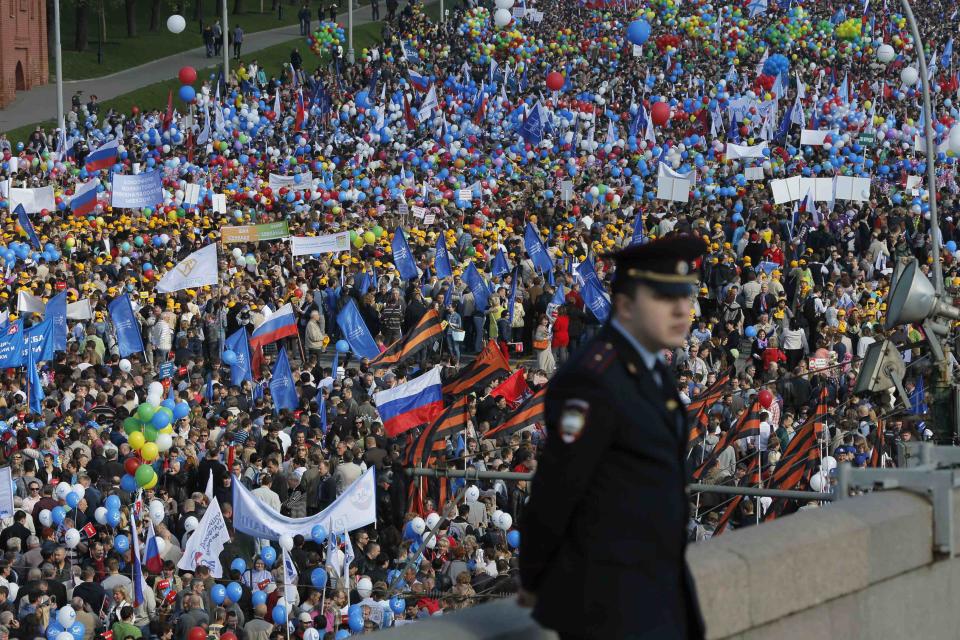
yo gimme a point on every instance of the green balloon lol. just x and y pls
(167, 411)
(145, 411)
(145, 474)
(149, 434)
(131, 424)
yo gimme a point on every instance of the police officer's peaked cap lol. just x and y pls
(663, 264)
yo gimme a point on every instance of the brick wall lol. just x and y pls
(23, 41)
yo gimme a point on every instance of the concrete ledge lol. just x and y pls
(500, 620)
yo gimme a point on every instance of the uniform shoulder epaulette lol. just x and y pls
(598, 357)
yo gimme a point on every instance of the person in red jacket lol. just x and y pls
(773, 353)
(561, 336)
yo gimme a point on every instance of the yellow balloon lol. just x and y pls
(152, 483)
(149, 451)
(136, 440)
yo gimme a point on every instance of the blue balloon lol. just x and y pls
(355, 623)
(77, 630)
(638, 31)
(238, 564)
(181, 411)
(58, 513)
(750, 331)
(218, 593)
(128, 483)
(187, 93)
(318, 533)
(169, 403)
(279, 614)
(73, 500)
(343, 346)
(397, 605)
(951, 246)
(513, 539)
(234, 591)
(342, 634)
(259, 597)
(355, 610)
(53, 629)
(113, 517)
(160, 419)
(318, 577)
(112, 503)
(121, 543)
(229, 357)
(268, 555)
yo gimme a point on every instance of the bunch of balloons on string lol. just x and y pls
(64, 625)
(149, 432)
(325, 37)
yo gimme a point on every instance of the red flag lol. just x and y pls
(168, 117)
(301, 115)
(481, 112)
(256, 360)
(89, 530)
(514, 389)
(407, 116)
(190, 147)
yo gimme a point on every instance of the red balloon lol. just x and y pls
(227, 635)
(131, 465)
(660, 112)
(555, 81)
(765, 398)
(187, 75)
(197, 633)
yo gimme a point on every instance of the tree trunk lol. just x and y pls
(103, 21)
(155, 16)
(198, 11)
(131, 8)
(237, 7)
(80, 36)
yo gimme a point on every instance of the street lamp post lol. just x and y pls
(935, 238)
(226, 44)
(56, 48)
(350, 54)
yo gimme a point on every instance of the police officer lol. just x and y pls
(604, 534)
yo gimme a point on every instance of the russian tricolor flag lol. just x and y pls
(85, 199)
(420, 82)
(411, 404)
(104, 157)
(279, 325)
(152, 560)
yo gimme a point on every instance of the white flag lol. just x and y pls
(209, 490)
(206, 543)
(429, 104)
(289, 579)
(29, 303)
(196, 270)
(79, 310)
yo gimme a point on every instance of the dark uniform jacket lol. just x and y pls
(604, 537)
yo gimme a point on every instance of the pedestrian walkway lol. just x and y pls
(40, 104)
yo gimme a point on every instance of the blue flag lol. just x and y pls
(56, 311)
(239, 343)
(513, 292)
(402, 258)
(500, 266)
(531, 130)
(322, 410)
(335, 366)
(947, 56)
(356, 333)
(363, 282)
(637, 230)
(283, 389)
(35, 393)
(536, 249)
(125, 324)
(39, 340)
(24, 221)
(478, 286)
(918, 398)
(441, 263)
(11, 345)
(595, 298)
(587, 273)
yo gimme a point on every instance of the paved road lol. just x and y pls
(41, 103)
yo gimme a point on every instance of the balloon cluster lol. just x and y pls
(849, 29)
(149, 432)
(360, 238)
(502, 16)
(187, 76)
(329, 34)
(65, 626)
(776, 64)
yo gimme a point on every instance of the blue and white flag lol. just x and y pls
(356, 333)
(136, 191)
(478, 286)
(500, 265)
(757, 7)
(402, 257)
(35, 393)
(531, 130)
(946, 58)
(56, 312)
(11, 345)
(283, 388)
(125, 324)
(638, 237)
(39, 341)
(441, 262)
(536, 249)
(239, 343)
(596, 299)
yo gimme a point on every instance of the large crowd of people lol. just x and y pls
(453, 133)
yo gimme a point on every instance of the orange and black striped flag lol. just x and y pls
(876, 457)
(799, 459)
(526, 414)
(454, 419)
(710, 396)
(751, 479)
(699, 427)
(748, 426)
(488, 367)
(426, 330)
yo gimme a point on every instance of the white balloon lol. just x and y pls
(64, 635)
(311, 634)
(176, 24)
(885, 53)
(955, 139)
(418, 526)
(431, 543)
(472, 494)
(157, 511)
(80, 490)
(502, 17)
(237, 252)
(66, 616)
(62, 491)
(125, 365)
(817, 482)
(364, 587)
(504, 4)
(828, 464)
(495, 517)
(190, 523)
(909, 76)
(71, 538)
(100, 515)
(432, 520)
(286, 542)
(164, 442)
(155, 389)
(506, 521)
